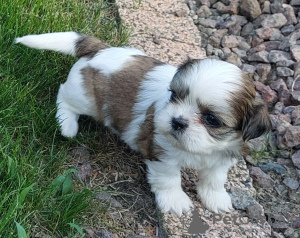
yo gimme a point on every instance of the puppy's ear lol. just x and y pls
(256, 121)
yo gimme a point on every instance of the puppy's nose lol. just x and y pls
(179, 123)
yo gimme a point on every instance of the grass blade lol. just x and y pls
(21, 231)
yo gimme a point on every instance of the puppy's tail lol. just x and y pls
(70, 43)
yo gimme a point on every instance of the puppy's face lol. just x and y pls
(212, 106)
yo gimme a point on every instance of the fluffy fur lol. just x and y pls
(195, 116)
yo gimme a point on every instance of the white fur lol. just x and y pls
(217, 77)
(195, 148)
(153, 90)
(63, 42)
(112, 59)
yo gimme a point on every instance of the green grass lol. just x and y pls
(36, 192)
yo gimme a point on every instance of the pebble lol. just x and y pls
(284, 71)
(277, 55)
(271, 45)
(263, 71)
(273, 167)
(207, 23)
(297, 73)
(215, 40)
(267, 94)
(295, 52)
(232, 8)
(262, 56)
(291, 183)
(241, 198)
(295, 96)
(278, 85)
(296, 159)
(250, 8)
(261, 178)
(295, 116)
(268, 33)
(278, 108)
(275, 20)
(291, 137)
(286, 30)
(294, 37)
(266, 7)
(247, 29)
(288, 12)
(255, 211)
(229, 41)
(204, 12)
(248, 68)
(285, 63)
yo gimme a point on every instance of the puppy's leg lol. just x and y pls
(165, 181)
(74, 100)
(66, 115)
(211, 189)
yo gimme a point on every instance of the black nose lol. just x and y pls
(179, 124)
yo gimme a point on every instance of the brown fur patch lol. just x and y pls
(145, 139)
(89, 46)
(241, 101)
(96, 86)
(251, 113)
(124, 87)
(146, 133)
(244, 151)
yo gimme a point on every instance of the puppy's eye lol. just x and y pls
(211, 120)
(174, 96)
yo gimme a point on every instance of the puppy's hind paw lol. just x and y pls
(69, 128)
(173, 200)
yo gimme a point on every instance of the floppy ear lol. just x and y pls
(256, 121)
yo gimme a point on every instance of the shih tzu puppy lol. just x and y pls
(196, 116)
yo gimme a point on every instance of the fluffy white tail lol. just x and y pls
(70, 43)
(63, 42)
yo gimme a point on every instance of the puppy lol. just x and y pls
(196, 116)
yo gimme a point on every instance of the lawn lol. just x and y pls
(37, 192)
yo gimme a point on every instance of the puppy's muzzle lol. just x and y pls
(179, 124)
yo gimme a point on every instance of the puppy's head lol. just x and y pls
(212, 106)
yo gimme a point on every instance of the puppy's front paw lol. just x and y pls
(217, 201)
(173, 200)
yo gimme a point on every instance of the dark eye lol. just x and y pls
(174, 96)
(211, 120)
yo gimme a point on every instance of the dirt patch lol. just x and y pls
(117, 176)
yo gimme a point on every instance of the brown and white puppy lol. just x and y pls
(195, 116)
